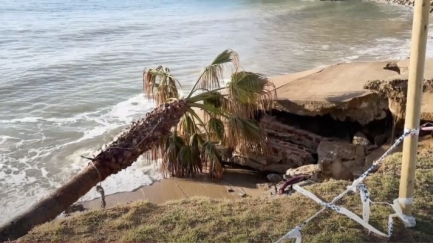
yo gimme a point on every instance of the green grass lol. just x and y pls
(254, 220)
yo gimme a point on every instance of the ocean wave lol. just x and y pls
(128, 180)
(4, 138)
(30, 162)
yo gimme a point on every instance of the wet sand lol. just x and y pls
(238, 181)
(235, 183)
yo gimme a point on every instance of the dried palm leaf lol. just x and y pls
(213, 74)
(160, 85)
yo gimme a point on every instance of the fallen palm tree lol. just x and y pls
(172, 131)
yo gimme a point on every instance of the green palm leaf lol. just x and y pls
(216, 129)
(187, 126)
(197, 140)
(170, 150)
(249, 91)
(212, 158)
(198, 119)
(213, 74)
(242, 131)
(189, 158)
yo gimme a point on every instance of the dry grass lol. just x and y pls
(253, 220)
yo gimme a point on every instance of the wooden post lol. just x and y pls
(413, 105)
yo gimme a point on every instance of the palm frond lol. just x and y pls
(197, 140)
(213, 74)
(211, 110)
(213, 103)
(187, 126)
(215, 129)
(248, 92)
(215, 99)
(212, 159)
(160, 85)
(242, 132)
(170, 150)
(189, 158)
(212, 97)
(200, 126)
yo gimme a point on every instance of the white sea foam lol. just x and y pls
(130, 109)
(15, 177)
(22, 120)
(396, 49)
(3, 138)
(141, 173)
(127, 180)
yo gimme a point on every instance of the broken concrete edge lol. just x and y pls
(368, 100)
(363, 109)
(362, 94)
(337, 90)
(395, 90)
(394, 87)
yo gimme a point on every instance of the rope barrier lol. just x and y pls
(365, 199)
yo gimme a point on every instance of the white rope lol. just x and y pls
(365, 199)
(405, 201)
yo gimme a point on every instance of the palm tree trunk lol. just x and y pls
(121, 153)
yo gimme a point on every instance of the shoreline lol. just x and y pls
(236, 184)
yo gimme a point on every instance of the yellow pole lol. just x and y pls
(413, 105)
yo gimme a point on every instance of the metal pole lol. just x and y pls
(413, 105)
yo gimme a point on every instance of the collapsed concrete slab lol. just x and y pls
(354, 91)
(337, 90)
(334, 107)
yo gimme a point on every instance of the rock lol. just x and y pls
(360, 139)
(242, 194)
(303, 170)
(329, 150)
(268, 163)
(340, 160)
(370, 148)
(392, 66)
(290, 153)
(265, 186)
(274, 178)
(374, 155)
(77, 207)
(278, 167)
(380, 140)
(230, 190)
(226, 153)
(298, 139)
(340, 170)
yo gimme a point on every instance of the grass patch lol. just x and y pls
(254, 220)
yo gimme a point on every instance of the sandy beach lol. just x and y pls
(235, 183)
